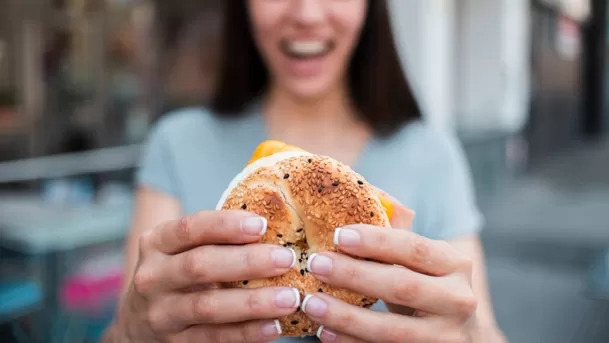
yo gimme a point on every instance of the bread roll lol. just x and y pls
(304, 197)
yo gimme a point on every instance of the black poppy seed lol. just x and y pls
(335, 183)
(320, 290)
(279, 235)
(300, 260)
(302, 272)
(244, 206)
(286, 176)
(294, 322)
(371, 214)
(245, 282)
(285, 245)
(299, 230)
(310, 160)
(360, 182)
(320, 189)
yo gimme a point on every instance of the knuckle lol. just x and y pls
(344, 321)
(156, 319)
(184, 229)
(143, 280)
(466, 305)
(382, 240)
(204, 307)
(351, 272)
(192, 266)
(419, 249)
(146, 240)
(220, 222)
(405, 289)
(249, 260)
(256, 303)
(466, 264)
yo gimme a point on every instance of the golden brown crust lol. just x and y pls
(304, 199)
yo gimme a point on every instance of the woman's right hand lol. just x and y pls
(173, 297)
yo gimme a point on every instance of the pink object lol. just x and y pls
(91, 294)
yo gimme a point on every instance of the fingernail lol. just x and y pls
(314, 306)
(287, 298)
(326, 335)
(254, 225)
(319, 264)
(346, 237)
(271, 329)
(284, 258)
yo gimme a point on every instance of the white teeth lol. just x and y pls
(307, 47)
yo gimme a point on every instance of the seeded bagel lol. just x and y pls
(304, 198)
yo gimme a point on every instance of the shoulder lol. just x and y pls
(178, 123)
(430, 145)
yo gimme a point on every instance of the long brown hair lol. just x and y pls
(377, 83)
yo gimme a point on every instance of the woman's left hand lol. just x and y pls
(430, 277)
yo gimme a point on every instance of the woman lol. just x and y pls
(323, 75)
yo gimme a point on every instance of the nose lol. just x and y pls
(308, 12)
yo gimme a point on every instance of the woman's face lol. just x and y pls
(307, 44)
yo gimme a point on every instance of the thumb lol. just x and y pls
(402, 215)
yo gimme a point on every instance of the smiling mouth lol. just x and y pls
(305, 49)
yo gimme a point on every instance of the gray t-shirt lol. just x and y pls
(192, 155)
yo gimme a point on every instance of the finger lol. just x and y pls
(326, 336)
(394, 284)
(365, 324)
(402, 215)
(208, 227)
(401, 247)
(215, 263)
(249, 332)
(223, 306)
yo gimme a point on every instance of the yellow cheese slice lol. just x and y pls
(270, 147)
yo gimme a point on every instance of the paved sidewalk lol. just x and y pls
(541, 235)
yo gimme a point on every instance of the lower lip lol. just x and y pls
(308, 67)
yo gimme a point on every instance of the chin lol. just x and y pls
(309, 90)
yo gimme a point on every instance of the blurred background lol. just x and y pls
(522, 82)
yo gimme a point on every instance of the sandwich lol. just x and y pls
(304, 198)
